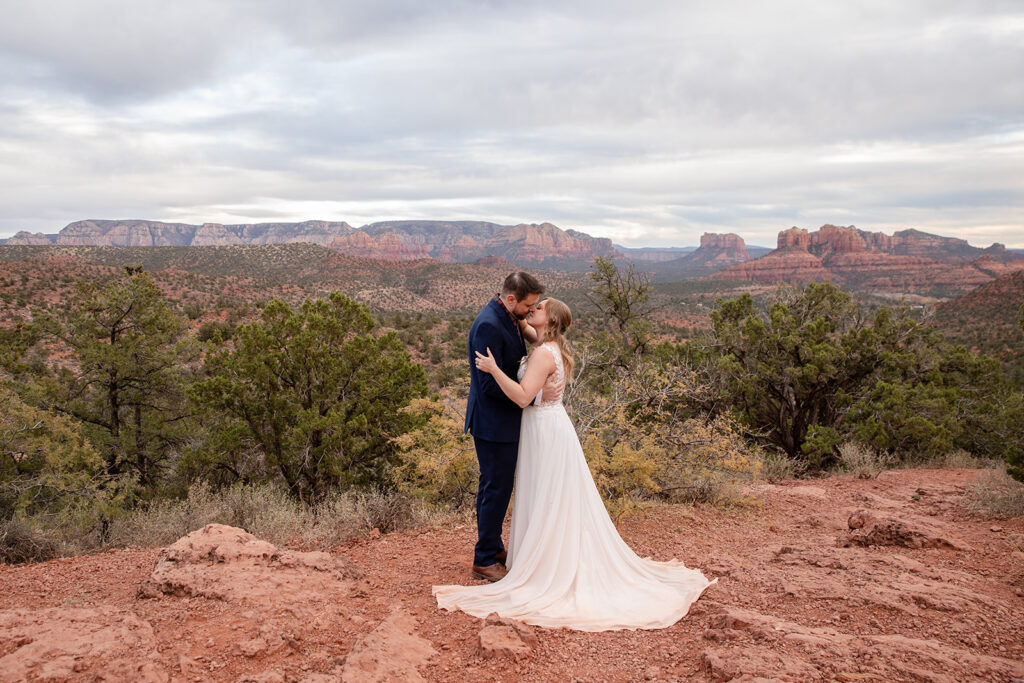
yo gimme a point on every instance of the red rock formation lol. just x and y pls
(24, 237)
(791, 264)
(908, 261)
(384, 247)
(730, 241)
(530, 243)
(794, 237)
(460, 242)
(836, 239)
(944, 278)
(719, 250)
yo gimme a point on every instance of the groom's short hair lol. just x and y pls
(521, 284)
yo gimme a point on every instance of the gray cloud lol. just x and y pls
(648, 124)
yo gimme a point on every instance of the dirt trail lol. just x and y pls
(835, 579)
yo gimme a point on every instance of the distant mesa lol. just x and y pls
(716, 251)
(140, 233)
(528, 245)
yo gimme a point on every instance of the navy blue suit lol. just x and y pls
(493, 419)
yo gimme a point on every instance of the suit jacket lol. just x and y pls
(490, 414)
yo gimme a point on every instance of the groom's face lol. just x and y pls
(521, 307)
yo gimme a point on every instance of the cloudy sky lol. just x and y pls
(648, 122)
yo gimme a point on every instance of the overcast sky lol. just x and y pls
(646, 122)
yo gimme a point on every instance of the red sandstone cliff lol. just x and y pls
(460, 242)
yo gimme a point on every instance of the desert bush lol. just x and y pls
(644, 441)
(22, 541)
(708, 456)
(816, 369)
(863, 461)
(996, 494)
(355, 513)
(961, 459)
(53, 484)
(437, 461)
(211, 328)
(776, 466)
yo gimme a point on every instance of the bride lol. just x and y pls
(567, 564)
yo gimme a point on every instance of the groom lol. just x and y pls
(493, 418)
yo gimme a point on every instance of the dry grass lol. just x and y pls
(862, 461)
(996, 494)
(22, 541)
(267, 512)
(271, 514)
(777, 466)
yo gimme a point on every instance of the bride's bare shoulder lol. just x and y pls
(547, 358)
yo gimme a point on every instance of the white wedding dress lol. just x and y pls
(567, 564)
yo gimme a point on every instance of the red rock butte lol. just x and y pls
(907, 260)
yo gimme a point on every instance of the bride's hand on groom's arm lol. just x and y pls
(486, 363)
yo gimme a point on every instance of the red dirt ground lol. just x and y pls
(792, 603)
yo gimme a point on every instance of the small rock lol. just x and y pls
(374, 532)
(996, 529)
(189, 666)
(505, 637)
(391, 652)
(250, 648)
(652, 673)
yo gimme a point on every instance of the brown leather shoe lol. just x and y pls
(502, 558)
(492, 573)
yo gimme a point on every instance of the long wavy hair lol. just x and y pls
(559, 320)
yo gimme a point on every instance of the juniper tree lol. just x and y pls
(316, 391)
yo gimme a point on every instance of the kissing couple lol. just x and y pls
(565, 563)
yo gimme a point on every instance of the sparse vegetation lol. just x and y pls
(320, 413)
(863, 461)
(996, 494)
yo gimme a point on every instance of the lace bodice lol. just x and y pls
(547, 395)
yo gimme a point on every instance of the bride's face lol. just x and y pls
(539, 317)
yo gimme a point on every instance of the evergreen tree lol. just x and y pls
(623, 298)
(124, 376)
(316, 391)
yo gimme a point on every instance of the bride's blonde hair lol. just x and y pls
(559, 320)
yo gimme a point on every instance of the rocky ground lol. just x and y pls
(837, 579)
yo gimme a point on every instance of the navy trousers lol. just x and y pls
(497, 475)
